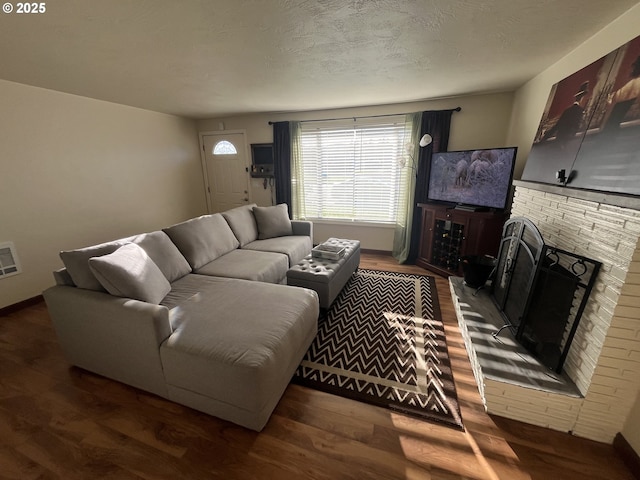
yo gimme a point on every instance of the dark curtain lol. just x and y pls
(282, 162)
(438, 125)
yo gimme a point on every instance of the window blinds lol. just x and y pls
(353, 171)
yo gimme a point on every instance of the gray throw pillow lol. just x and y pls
(273, 221)
(129, 272)
(243, 223)
(201, 240)
(77, 263)
(164, 254)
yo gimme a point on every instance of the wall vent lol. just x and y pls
(9, 263)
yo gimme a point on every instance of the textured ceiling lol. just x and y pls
(211, 58)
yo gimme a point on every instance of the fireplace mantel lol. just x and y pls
(607, 198)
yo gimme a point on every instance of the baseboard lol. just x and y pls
(386, 253)
(21, 305)
(629, 456)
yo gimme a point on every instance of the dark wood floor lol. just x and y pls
(58, 421)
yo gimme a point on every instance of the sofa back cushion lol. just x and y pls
(129, 272)
(203, 239)
(242, 223)
(273, 221)
(77, 263)
(164, 254)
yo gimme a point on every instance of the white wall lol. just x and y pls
(77, 171)
(482, 123)
(529, 104)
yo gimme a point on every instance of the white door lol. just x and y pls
(226, 170)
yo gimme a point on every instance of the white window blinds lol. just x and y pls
(353, 171)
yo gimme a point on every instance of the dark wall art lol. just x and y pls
(590, 127)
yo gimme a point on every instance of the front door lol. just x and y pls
(225, 170)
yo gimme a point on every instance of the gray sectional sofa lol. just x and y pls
(195, 312)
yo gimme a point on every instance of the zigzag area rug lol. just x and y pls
(382, 342)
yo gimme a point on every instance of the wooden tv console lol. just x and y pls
(450, 233)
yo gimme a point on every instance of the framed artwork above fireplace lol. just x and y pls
(589, 134)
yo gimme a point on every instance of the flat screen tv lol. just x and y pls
(473, 178)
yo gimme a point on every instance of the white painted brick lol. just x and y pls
(624, 324)
(587, 204)
(552, 196)
(619, 211)
(572, 209)
(627, 311)
(619, 345)
(592, 413)
(633, 278)
(621, 364)
(603, 389)
(611, 293)
(632, 226)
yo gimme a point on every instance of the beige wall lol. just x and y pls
(77, 171)
(631, 430)
(529, 104)
(482, 123)
(530, 99)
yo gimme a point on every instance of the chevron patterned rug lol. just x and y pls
(382, 342)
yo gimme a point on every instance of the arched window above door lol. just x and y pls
(224, 147)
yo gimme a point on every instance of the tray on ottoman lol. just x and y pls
(327, 250)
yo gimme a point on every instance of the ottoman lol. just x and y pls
(326, 277)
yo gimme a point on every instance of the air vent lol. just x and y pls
(9, 263)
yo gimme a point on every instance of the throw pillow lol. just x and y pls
(129, 272)
(164, 254)
(243, 223)
(273, 221)
(77, 263)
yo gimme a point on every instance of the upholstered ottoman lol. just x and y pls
(326, 277)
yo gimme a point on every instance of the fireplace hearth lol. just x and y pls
(541, 291)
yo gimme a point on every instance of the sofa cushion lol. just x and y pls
(249, 265)
(233, 340)
(77, 263)
(296, 247)
(130, 272)
(273, 221)
(164, 254)
(243, 223)
(203, 239)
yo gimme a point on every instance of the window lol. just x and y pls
(224, 147)
(352, 172)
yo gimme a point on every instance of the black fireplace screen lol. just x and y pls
(541, 291)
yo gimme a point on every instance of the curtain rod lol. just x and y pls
(457, 109)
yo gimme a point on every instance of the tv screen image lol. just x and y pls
(477, 178)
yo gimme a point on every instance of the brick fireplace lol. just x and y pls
(602, 369)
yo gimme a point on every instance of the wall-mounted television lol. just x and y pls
(474, 178)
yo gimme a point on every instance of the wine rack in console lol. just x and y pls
(449, 234)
